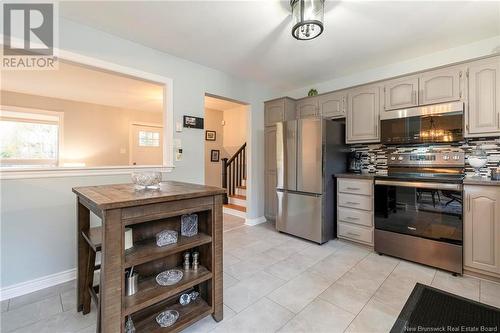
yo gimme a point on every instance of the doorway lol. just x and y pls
(226, 150)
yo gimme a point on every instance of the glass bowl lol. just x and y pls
(146, 179)
(167, 318)
(170, 277)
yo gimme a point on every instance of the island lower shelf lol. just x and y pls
(150, 292)
(145, 320)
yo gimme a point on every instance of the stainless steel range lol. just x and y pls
(418, 209)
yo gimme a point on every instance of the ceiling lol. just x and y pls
(220, 104)
(86, 84)
(252, 39)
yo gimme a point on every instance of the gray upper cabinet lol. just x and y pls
(401, 93)
(483, 115)
(279, 110)
(332, 105)
(307, 107)
(363, 114)
(441, 86)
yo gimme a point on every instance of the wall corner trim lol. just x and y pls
(43, 282)
(255, 221)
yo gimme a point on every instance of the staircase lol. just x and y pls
(234, 181)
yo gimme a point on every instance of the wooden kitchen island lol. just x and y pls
(147, 212)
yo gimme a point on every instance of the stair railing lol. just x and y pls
(234, 171)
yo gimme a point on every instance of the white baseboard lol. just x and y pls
(255, 221)
(27, 287)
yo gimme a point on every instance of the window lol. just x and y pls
(149, 139)
(29, 138)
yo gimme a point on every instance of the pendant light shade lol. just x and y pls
(307, 18)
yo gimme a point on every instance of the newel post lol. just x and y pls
(224, 178)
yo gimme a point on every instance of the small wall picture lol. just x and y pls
(214, 155)
(210, 135)
(193, 122)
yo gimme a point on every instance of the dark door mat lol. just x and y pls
(432, 310)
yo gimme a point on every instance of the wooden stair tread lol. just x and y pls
(94, 238)
(147, 250)
(150, 292)
(146, 321)
(238, 196)
(236, 207)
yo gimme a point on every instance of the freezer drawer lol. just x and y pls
(300, 215)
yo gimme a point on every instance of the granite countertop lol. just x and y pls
(481, 181)
(467, 180)
(356, 175)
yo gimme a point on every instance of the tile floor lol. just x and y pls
(277, 283)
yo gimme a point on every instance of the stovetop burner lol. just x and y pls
(432, 167)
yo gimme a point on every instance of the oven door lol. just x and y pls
(424, 209)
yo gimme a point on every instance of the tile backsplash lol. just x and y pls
(374, 156)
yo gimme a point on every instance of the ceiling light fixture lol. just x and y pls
(307, 18)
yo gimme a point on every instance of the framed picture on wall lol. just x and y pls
(214, 155)
(210, 135)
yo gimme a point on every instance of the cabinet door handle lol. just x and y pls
(353, 234)
(468, 202)
(498, 120)
(414, 97)
(353, 188)
(352, 218)
(352, 203)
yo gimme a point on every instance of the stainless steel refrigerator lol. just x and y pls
(309, 151)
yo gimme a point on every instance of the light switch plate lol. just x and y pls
(178, 126)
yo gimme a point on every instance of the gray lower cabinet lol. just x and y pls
(441, 86)
(482, 229)
(483, 114)
(278, 110)
(307, 107)
(401, 93)
(363, 115)
(270, 200)
(333, 105)
(355, 210)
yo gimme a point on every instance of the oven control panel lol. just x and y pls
(451, 158)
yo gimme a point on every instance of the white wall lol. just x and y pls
(213, 122)
(235, 129)
(38, 215)
(469, 51)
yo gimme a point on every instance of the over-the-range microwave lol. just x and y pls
(440, 123)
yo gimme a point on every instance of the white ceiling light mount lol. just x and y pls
(307, 18)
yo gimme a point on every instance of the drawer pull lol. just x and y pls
(412, 228)
(353, 188)
(352, 218)
(352, 203)
(353, 234)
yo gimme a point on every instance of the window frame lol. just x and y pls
(35, 162)
(168, 126)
